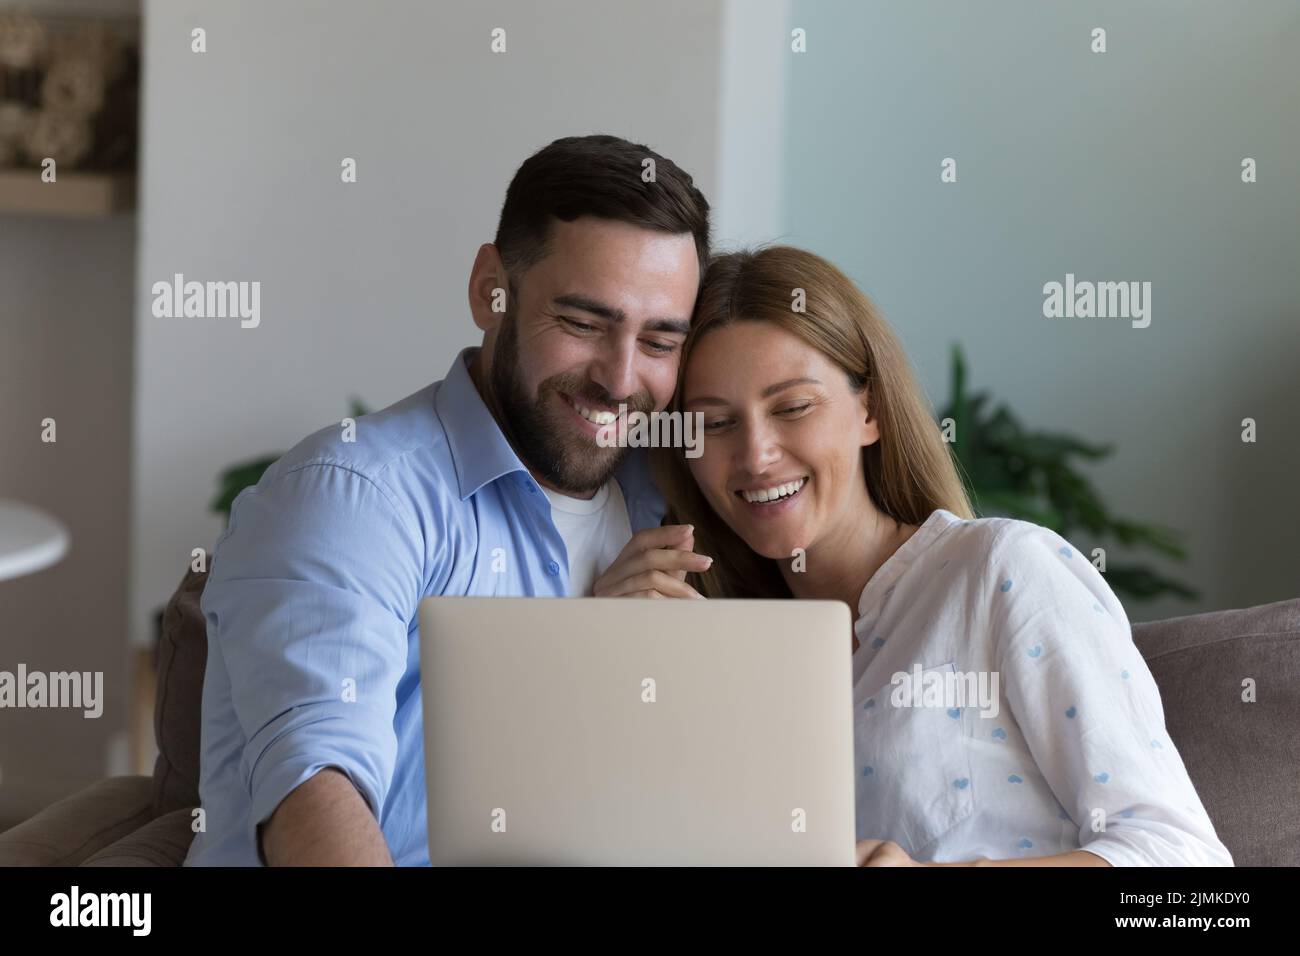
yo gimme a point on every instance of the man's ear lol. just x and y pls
(869, 430)
(488, 288)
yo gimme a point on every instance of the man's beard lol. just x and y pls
(539, 430)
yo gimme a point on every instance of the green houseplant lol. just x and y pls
(245, 474)
(1014, 472)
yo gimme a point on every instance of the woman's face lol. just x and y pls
(781, 458)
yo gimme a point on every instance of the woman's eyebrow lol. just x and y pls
(767, 392)
(704, 400)
(788, 383)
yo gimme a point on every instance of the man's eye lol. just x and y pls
(576, 325)
(662, 348)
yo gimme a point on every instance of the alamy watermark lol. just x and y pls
(75, 908)
(208, 300)
(1098, 300)
(77, 690)
(949, 689)
(653, 430)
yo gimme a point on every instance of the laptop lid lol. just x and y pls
(614, 731)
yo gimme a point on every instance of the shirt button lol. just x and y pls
(532, 489)
(552, 567)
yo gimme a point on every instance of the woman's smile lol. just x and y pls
(784, 432)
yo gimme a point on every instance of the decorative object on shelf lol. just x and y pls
(69, 91)
(1013, 472)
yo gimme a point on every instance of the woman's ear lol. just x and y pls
(488, 288)
(869, 429)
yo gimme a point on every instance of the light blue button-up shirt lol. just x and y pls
(313, 639)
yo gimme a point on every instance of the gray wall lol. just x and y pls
(363, 285)
(1115, 166)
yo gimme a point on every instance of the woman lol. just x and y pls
(823, 476)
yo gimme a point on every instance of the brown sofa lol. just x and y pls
(1243, 757)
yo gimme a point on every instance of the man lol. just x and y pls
(490, 482)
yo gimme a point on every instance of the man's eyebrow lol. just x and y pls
(679, 326)
(769, 391)
(618, 316)
(594, 306)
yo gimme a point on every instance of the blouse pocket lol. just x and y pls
(913, 768)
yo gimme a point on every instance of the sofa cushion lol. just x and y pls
(69, 831)
(163, 841)
(1244, 758)
(182, 657)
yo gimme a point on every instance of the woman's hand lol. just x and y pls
(654, 564)
(883, 853)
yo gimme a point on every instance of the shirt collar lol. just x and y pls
(481, 454)
(479, 449)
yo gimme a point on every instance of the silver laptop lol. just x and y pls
(617, 731)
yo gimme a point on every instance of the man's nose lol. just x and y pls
(615, 368)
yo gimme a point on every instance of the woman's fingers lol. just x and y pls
(865, 848)
(665, 584)
(647, 539)
(883, 853)
(669, 559)
(655, 561)
(688, 544)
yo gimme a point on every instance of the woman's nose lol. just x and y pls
(757, 450)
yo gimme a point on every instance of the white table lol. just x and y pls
(30, 539)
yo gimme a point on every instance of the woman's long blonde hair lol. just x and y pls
(909, 471)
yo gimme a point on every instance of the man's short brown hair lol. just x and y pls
(598, 176)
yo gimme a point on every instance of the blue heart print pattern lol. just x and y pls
(1075, 709)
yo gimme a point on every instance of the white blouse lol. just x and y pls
(1028, 724)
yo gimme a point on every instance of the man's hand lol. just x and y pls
(324, 821)
(654, 564)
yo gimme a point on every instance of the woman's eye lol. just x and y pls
(795, 409)
(715, 424)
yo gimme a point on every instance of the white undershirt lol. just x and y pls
(594, 530)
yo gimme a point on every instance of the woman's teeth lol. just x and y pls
(772, 494)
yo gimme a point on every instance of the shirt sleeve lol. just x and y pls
(309, 600)
(1088, 707)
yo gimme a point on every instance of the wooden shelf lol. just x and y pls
(72, 196)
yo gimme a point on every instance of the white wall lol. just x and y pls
(363, 285)
(753, 78)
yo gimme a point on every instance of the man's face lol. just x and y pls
(598, 322)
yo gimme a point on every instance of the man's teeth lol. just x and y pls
(600, 418)
(771, 494)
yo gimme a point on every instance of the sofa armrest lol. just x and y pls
(67, 832)
(163, 841)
